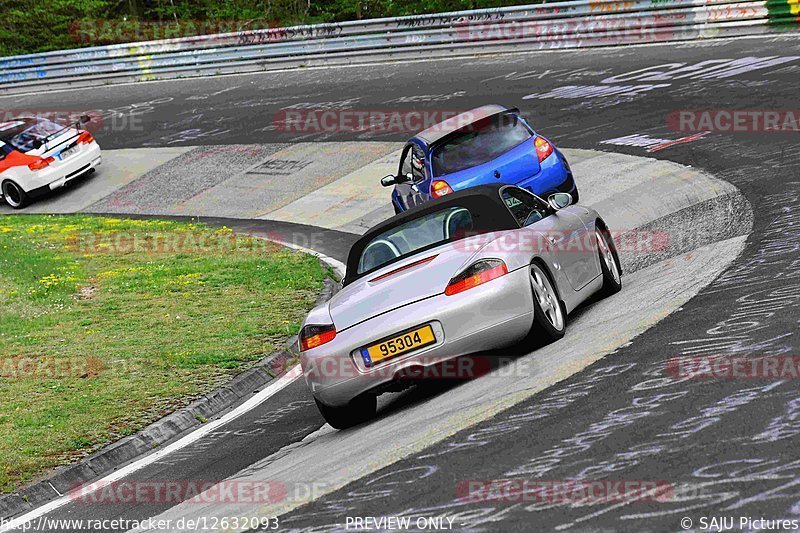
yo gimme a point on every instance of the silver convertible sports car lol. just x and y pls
(476, 270)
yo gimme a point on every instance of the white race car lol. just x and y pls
(38, 156)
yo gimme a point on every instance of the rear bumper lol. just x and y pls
(487, 317)
(396, 200)
(554, 176)
(567, 186)
(58, 174)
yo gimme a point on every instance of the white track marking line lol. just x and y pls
(337, 265)
(272, 389)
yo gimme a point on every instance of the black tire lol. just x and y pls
(360, 409)
(609, 263)
(575, 196)
(549, 317)
(397, 210)
(14, 195)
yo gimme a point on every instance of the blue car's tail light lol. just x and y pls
(439, 188)
(543, 148)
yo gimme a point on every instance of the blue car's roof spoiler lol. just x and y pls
(441, 131)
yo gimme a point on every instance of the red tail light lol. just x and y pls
(477, 274)
(543, 148)
(40, 163)
(85, 138)
(439, 188)
(314, 335)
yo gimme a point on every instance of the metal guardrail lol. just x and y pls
(574, 24)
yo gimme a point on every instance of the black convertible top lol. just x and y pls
(488, 210)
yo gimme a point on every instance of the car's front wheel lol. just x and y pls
(358, 410)
(609, 263)
(549, 319)
(14, 195)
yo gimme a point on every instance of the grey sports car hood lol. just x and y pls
(418, 277)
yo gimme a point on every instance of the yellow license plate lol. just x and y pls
(400, 344)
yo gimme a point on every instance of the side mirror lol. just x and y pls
(560, 200)
(85, 119)
(36, 144)
(388, 181)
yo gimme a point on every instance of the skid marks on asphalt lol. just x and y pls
(270, 422)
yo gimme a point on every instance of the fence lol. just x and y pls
(574, 24)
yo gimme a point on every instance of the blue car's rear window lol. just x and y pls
(479, 143)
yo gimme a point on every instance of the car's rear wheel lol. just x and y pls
(549, 319)
(360, 409)
(609, 263)
(14, 195)
(397, 210)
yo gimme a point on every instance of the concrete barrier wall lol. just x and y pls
(573, 24)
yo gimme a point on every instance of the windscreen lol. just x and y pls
(479, 143)
(24, 133)
(424, 232)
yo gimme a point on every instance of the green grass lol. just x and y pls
(100, 337)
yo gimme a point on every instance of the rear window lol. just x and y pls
(479, 143)
(407, 239)
(23, 133)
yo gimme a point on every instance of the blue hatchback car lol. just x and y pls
(486, 145)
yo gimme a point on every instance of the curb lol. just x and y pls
(115, 455)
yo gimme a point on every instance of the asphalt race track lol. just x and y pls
(596, 405)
